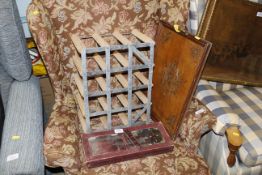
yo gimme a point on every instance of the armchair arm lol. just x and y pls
(197, 121)
(22, 141)
(210, 97)
(227, 121)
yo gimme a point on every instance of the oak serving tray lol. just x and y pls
(179, 61)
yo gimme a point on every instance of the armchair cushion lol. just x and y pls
(180, 161)
(14, 56)
(63, 148)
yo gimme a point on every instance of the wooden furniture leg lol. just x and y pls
(235, 141)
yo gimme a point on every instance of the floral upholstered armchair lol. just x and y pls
(52, 23)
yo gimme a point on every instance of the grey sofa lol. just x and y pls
(21, 149)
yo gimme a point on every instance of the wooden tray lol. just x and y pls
(179, 61)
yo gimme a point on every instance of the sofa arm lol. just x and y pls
(211, 98)
(22, 142)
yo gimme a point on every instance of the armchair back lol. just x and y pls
(52, 22)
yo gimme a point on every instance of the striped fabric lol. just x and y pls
(242, 106)
(5, 83)
(235, 101)
(219, 86)
(196, 10)
(215, 151)
(247, 104)
(210, 97)
(24, 119)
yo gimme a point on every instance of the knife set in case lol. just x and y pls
(128, 143)
(120, 80)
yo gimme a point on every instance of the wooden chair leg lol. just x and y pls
(235, 141)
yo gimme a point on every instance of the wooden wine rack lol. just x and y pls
(142, 49)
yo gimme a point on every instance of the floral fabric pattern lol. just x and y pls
(174, 12)
(51, 23)
(179, 162)
(197, 121)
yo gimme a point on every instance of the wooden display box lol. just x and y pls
(124, 144)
